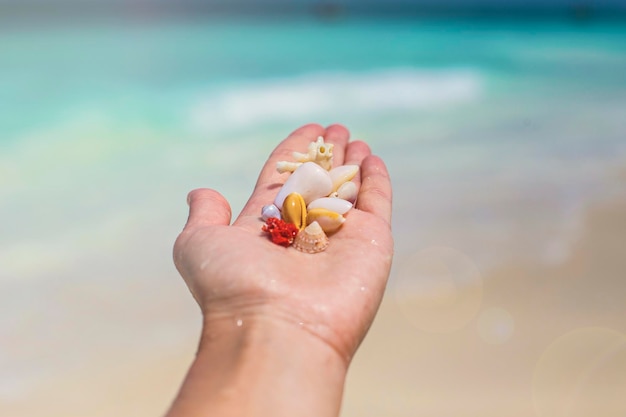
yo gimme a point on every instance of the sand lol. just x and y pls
(523, 340)
(532, 340)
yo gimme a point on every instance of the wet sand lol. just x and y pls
(524, 340)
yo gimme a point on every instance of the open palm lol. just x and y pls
(235, 272)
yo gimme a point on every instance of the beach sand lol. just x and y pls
(543, 340)
(523, 340)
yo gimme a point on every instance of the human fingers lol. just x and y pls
(375, 192)
(339, 136)
(356, 152)
(270, 180)
(206, 208)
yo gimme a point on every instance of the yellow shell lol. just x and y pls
(312, 239)
(328, 220)
(294, 210)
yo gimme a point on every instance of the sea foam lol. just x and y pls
(334, 94)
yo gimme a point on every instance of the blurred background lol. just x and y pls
(504, 128)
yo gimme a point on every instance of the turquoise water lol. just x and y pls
(498, 135)
(122, 108)
(147, 74)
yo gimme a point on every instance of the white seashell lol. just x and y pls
(332, 204)
(310, 180)
(328, 220)
(348, 191)
(311, 240)
(342, 174)
(319, 152)
(270, 211)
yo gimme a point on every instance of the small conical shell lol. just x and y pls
(312, 239)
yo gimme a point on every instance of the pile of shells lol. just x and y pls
(315, 198)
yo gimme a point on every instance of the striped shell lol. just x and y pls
(311, 239)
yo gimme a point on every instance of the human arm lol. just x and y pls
(280, 327)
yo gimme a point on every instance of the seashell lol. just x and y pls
(319, 152)
(328, 220)
(342, 174)
(310, 181)
(312, 239)
(270, 211)
(348, 191)
(332, 204)
(294, 210)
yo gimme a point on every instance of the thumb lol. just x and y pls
(206, 208)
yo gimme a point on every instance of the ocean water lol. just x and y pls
(498, 135)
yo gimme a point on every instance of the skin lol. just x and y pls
(280, 327)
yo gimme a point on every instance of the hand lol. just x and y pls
(237, 271)
(240, 278)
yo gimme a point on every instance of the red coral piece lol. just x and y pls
(281, 232)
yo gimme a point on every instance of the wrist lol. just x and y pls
(258, 365)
